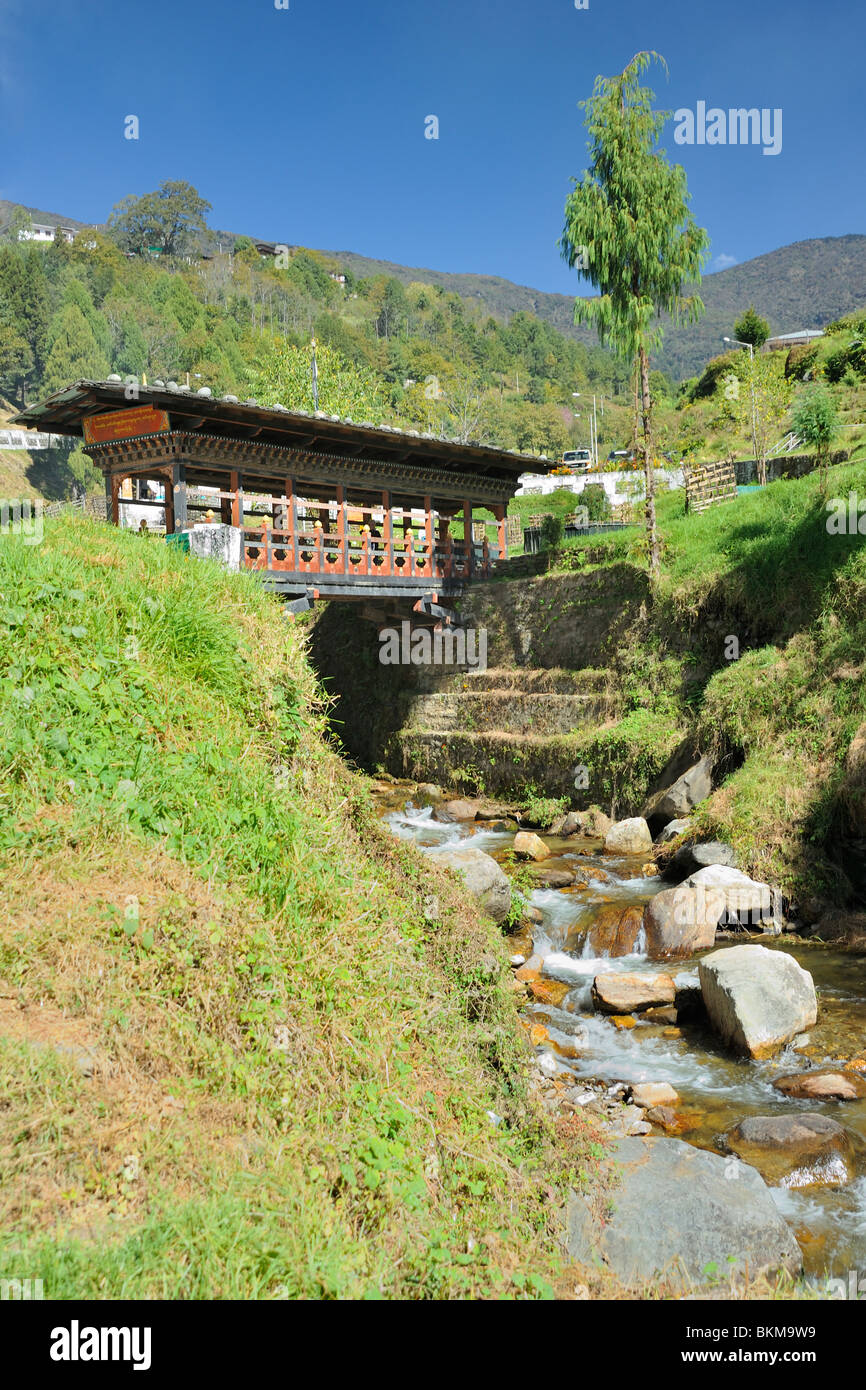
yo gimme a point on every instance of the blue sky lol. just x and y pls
(306, 125)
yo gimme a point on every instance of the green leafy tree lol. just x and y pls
(75, 353)
(168, 219)
(284, 376)
(16, 359)
(130, 348)
(758, 398)
(395, 309)
(628, 229)
(751, 328)
(25, 295)
(816, 421)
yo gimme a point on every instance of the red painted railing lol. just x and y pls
(313, 551)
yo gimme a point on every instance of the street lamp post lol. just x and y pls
(593, 430)
(735, 342)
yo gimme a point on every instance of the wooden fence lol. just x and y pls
(709, 483)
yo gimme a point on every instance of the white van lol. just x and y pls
(578, 460)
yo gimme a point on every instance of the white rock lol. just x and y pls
(757, 999)
(630, 836)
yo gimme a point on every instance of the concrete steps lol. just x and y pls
(503, 711)
(507, 727)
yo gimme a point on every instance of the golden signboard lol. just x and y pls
(124, 424)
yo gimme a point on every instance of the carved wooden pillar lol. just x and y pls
(499, 513)
(292, 523)
(467, 536)
(343, 529)
(388, 536)
(428, 533)
(112, 489)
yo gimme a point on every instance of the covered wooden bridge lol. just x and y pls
(320, 507)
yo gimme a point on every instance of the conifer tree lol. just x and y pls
(74, 352)
(628, 229)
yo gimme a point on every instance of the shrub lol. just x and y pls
(551, 532)
(595, 499)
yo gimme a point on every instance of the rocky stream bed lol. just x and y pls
(780, 1161)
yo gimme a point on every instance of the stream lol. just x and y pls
(716, 1089)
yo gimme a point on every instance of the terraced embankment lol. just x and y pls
(504, 729)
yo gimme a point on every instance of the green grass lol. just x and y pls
(297, 1057)
(780, 715)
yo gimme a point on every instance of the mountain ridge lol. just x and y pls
(804, 284)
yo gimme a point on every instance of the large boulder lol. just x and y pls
(822, 1085)
(614, 930)
(482, 875)
(456, 810)
(528, 845)
(757, 1000)
(793, 1150)
(617, 993)
(630, 836)
(672, 830)
(647, 1094)
(673, 1211)
(549, 876)
(690, 859)
(682, 796)
(566, 825)
(428, 791)
(593, 824)
(680, 921)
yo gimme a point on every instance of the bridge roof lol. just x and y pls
(229, 418)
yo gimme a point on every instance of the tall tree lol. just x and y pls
(760, 401)
(24, 292)
(75, 353)
(16, 359)
(628, 230)
(167, 219)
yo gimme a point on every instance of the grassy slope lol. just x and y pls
(764, 570)
(298, 1026)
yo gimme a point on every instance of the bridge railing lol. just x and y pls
(310, 550)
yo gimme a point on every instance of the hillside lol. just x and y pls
(249, 1044)
(805, 285)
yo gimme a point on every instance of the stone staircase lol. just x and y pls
(507, 728)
